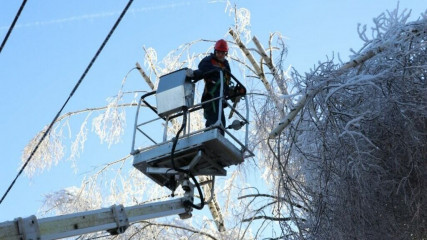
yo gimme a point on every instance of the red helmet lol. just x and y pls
(221, 45)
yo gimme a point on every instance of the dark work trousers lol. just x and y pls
(211, 114)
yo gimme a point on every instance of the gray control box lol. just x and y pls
(174, 92)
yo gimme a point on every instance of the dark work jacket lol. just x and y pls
(212, 84)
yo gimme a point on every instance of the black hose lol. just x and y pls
(202, 199)
(175, 141)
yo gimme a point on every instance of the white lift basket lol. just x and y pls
(206, 151)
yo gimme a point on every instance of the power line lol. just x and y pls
(69, 97)
(13, 24)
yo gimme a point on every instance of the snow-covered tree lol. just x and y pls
(354, 150)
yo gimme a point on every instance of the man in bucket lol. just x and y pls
(216, 60)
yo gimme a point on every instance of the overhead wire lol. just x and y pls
(12, 25)
(69, 97)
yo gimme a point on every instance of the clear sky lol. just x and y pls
(54, 40)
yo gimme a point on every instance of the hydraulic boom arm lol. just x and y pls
(115, 220)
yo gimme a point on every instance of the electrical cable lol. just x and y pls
(175, 141)
(69, 97)
(13, 25)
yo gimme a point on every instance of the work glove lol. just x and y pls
(189, 73)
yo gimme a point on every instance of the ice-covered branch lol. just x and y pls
(310, 93)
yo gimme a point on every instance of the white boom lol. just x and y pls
(115, 220)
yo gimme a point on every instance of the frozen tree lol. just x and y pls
(355, 146)
(351, 161)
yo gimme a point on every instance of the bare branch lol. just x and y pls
(268, 61)
(258, 71)
(145, 76)
(271, 196)
(181, 227)
(266, 218)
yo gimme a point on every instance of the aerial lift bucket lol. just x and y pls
(203, 152)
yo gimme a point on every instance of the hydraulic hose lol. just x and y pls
(175, 141)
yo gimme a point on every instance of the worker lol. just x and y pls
(215, 61)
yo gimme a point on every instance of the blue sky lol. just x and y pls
(54, 40)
